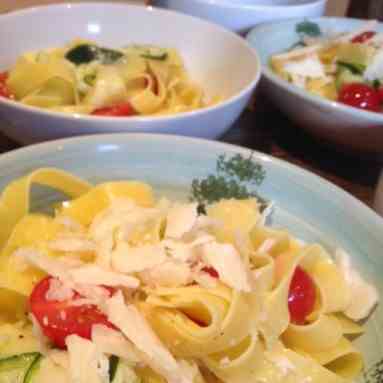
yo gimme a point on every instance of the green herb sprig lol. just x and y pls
(375, 373)
(234, 177)
(308, 28)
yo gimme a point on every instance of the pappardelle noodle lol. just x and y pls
(116, 286)
(84, 78)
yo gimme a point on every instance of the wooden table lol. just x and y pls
(267, 130)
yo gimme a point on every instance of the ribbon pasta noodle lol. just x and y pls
(210, 294)
(82, 78)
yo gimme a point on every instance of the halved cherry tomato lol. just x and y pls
(360, 96)
(302, 295)
(363, 37)
(4, 90)
(211, 271)
(119, 110)
(61, 319)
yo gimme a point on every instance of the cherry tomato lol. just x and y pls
(302, 296)
(211, 271)
(360, 96)
(4, 90)
(119, 110)
(61, 319)
(363, 37)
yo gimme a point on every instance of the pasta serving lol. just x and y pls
(344, 67)
(117, 287)
(84, 78)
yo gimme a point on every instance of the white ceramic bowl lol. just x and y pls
(342, 125)
(241, 15)
(210, 53)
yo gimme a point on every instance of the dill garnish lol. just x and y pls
(308, 28)
(234, 178)
(375, 373)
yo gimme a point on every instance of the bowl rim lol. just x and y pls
(278, 7)
(302, 93)
(365, 212)
(18, 106)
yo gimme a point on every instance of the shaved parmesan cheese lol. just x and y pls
(69, 223)
(128, 259)
(168, 274)
(186, 252)
(364, 296)
(93, 274)
(58, 291)
(113, 343)
(310, 66)
(374, 70)
(59, 358)
(282, 363)
(38, 334)
(119, 215)
(135, 327)
(267, 245)
(86, 363)
(92, 292)
(72, 244)
(226, 260)
(180, 220)
(205, 280)
(57, 267)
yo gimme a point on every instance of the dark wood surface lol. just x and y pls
(269, 131)
(265, 129)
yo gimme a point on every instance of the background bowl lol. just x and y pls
(308, 206)
(210, 54)
(342, 125)
(241, 15)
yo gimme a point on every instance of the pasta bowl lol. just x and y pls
(343, 126)
(241, 15)
(308, 207)
(213, 65)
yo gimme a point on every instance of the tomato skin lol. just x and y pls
(119, 110)
(4, 90)
(360, 96)
(302, 296)
(211, 271)
(363, 37)
(61, 319)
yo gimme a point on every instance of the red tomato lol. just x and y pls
(4, 90)
(360, 96)
(119, 110)
(302, 296)
(61, 319)
(211, 271)
(363, 37)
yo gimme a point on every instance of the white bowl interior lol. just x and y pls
(211, 54)
(269, 3)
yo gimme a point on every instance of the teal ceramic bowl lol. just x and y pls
(308, 206)
(339, 124)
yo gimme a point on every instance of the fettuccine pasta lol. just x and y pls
(152, 291)
(84, 78)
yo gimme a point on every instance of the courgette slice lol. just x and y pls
(354, 68)
(15, 369)
(86, 53)
(151, 52)
(121, 372)
(34, 367)
(345, 76)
